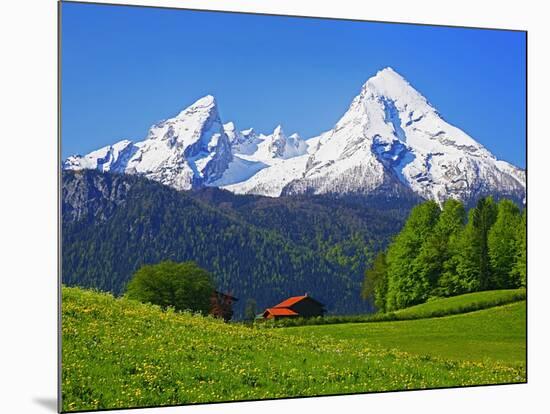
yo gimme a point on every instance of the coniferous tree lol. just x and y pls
(468, 268)
(503, 247)
(406, 286)
(250, 309)
(483, 217)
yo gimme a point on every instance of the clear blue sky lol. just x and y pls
(125, 68)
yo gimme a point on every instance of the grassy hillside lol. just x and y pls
(461, 304)
(497, 334)
(120, 353)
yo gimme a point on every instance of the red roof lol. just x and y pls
(281, 312)
(290, 301)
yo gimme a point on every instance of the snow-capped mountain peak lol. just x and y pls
(248, 132)
(281, 146)
(207, 103)
(229, 126)
(232, 133)
(189, 149)
(277, 142)
(390, 138)
(391, 85)
(392, 135)
(278, 131)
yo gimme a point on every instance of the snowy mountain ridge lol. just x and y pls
(390, 136)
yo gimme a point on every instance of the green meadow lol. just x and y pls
(491, 335)
(121, 353)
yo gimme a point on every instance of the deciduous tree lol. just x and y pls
(502, 242)
(406, 286)
(183, 286)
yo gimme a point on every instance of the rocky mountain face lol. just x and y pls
(390, 140)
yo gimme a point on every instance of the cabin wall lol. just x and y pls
(308, 308)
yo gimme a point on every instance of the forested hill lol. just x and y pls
(343, 229)
(255, 247)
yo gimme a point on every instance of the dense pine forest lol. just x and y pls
(346, 231)
(255, 247)
(447, 251)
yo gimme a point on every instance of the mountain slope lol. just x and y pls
(114, 223)
(317, 222)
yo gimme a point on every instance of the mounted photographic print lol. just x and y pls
(261, 207)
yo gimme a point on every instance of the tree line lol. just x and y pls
(446, 251)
